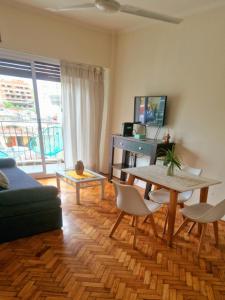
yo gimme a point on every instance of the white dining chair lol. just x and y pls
(130, 202)
(203, 213)
(162, 196)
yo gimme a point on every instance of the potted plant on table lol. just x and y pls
(171, 160)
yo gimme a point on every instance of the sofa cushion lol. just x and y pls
(7, 163)
(18, 179)
(4, 182)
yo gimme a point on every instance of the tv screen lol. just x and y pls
(150, 110)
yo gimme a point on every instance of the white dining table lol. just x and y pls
(180, 182)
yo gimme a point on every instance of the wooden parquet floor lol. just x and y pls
(81, 262)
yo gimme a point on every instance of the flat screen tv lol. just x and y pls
(150, 110)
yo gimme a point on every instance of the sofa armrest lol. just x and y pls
(7, 163)
(22, 196)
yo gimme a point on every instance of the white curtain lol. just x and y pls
(83, 100)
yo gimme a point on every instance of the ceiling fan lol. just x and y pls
(112, 6)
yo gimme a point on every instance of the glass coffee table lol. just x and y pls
(88, 179)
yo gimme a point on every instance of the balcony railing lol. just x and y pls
(21, 141)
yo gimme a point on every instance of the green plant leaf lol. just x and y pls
(171, 159)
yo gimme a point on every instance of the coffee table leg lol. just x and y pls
(102, 189)
(58, 182)
(78, 193)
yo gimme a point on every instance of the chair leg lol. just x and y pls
(145, 219)
(181, 227)
(182, 206)
(201, 238)
(215, 227)
(165, 224)
(135, 231)
(191, 228)
(153, 225)
(121, 215)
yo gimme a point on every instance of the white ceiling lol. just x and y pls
(122, 21)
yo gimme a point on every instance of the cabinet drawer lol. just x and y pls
(133, 146)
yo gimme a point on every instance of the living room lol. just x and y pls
(184, 61)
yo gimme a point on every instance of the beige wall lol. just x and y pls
(39, 33)
(187, 63)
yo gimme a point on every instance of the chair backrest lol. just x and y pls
(213, 214)
(129, 200)
(193, 171)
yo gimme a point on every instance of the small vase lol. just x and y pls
(79, 167)
(170, 170)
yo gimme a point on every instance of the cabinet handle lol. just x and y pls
(140, 148)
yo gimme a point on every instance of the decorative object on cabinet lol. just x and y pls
(139, 131)
(166, 138)
(127, 129)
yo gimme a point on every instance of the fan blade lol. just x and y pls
(73, 7)
(148, 14)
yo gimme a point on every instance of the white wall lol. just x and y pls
(187, 63)
(40, 33)
(36, 32)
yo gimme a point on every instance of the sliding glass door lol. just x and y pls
(50, 109)
(30, 115)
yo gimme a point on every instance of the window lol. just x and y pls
(30, 114)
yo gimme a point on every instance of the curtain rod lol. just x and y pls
(82, 64)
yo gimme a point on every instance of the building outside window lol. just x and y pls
(31, 115)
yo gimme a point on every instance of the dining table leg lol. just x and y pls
(203, 199)
(171, 216)
(131, 179)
